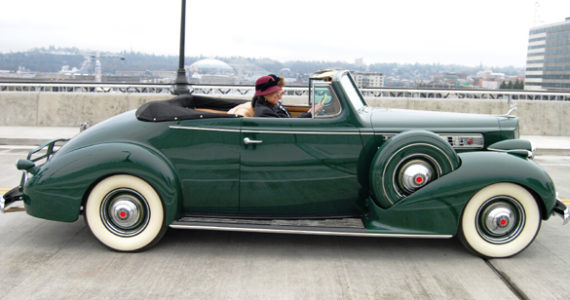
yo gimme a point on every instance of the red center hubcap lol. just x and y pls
(122, 214)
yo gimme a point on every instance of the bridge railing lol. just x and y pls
(248, 91)
(465, 94)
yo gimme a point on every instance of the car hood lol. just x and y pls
(397, 120)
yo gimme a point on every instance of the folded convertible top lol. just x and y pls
(186, 108)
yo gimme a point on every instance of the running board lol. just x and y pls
(336, 227)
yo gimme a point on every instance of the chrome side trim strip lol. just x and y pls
(386, 135)
(265, 131)
(203, 128)
(303, 132)
(305, 231)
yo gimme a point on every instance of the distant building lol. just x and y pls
(489, 80)
(368, 79)
(548, 57)
(211, 66)
(211, 71)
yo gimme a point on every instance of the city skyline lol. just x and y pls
(493, 33)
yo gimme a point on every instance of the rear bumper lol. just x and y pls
(12, 201)
(561, 210)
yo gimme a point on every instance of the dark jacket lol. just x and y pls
(264, 109)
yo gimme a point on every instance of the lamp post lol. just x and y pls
(181, 87)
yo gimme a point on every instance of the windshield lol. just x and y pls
(352, 92)
(324, 96)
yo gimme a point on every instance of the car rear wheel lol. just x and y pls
(501, 220)
(125, 213)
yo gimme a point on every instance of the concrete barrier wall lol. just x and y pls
(68, 109)
(46, 109)
(535, 117)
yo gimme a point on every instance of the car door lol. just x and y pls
(299, 167)
(205, 154)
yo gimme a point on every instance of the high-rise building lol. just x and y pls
(548, 57)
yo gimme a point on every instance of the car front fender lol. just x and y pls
(437, 207)
(59, 188)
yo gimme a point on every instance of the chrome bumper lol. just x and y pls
(12, 201)
(561, 210)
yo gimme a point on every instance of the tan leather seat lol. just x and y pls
(243, 109)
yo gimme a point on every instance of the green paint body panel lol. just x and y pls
(437, 208)
(303, 168)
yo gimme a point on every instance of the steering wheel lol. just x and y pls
(324, 103)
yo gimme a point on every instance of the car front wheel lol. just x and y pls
(501, 220)
(125, 213)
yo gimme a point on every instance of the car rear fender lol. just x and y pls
(75, 173)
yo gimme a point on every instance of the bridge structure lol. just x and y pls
(242, 91)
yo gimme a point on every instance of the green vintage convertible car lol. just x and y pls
(350, 170)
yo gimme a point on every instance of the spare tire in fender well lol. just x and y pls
(407, 162)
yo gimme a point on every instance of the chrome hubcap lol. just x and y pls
(124, 212)
(414, 175)
(500, 220)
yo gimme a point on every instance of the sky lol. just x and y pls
(482, 32)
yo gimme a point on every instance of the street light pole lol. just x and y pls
(181, 87)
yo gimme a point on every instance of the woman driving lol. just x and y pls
(268, 92)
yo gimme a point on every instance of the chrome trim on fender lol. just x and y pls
(464, 140)
(455, 140)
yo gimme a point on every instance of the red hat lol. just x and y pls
(266, 85)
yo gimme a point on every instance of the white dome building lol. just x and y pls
(211, 66)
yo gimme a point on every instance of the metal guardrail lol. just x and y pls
(84, 88)
(466, 94)
(248, 91)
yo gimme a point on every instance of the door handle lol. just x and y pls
(248, 141)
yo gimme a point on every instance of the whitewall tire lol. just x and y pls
(125, 213)
(501, 220)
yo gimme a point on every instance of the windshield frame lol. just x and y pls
(352, 92)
